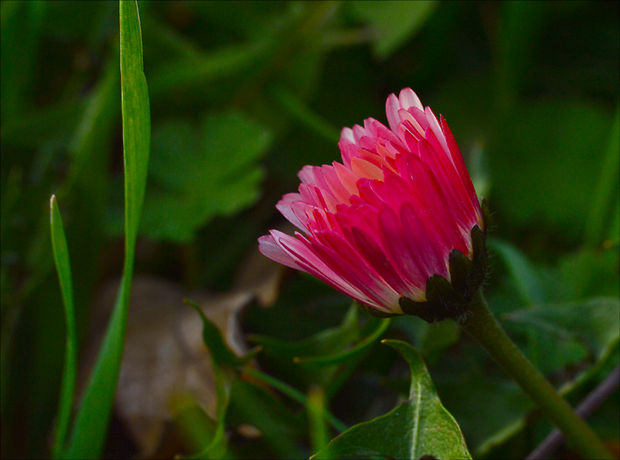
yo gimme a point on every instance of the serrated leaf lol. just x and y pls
(198, 172)
(595, 322)
(418, 427)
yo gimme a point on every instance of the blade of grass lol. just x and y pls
(601, 211)
(92, 419)
(63, 268)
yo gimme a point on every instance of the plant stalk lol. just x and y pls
(482, 326)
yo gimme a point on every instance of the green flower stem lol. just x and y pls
(482, 326)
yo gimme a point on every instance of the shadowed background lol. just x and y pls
(243, 94)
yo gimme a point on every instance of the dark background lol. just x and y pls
(243, 94)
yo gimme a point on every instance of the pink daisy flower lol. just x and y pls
(381, 223)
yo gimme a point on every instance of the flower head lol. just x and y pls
(398, 211)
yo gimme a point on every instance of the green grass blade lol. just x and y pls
(63, 268)
(92, 419)
(601, 209)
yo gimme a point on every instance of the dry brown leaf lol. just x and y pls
(164, 353)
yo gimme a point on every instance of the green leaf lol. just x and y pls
(223, 361)
(420, 426)
(136, 119)
(392, 22)
(324, 343)
(221, 354)
(522, 273)
(292, 393)
(92, 419)
(195, 428)
(200, 172)
(380, 326)
(63, 268)
(572, 331)
(261, 408)
(594, 323)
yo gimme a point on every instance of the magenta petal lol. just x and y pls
(309, 261)
(428, 250)
(352, 267)
(410, 266)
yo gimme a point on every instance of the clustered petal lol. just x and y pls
(379, 224)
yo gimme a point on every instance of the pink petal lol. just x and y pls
(392, 106)
(270, 249)
(285, 206)
(408, 98)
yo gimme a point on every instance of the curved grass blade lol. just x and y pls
(92, 419)
(63, 268)
(359, 348)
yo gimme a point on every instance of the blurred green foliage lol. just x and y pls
(243, 94)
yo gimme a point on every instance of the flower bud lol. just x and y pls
(396, 225)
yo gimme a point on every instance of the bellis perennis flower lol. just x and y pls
(397, 225)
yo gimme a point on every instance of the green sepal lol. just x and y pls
(487, 220)
(480, 263)
(460, 271)
(447, 299)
